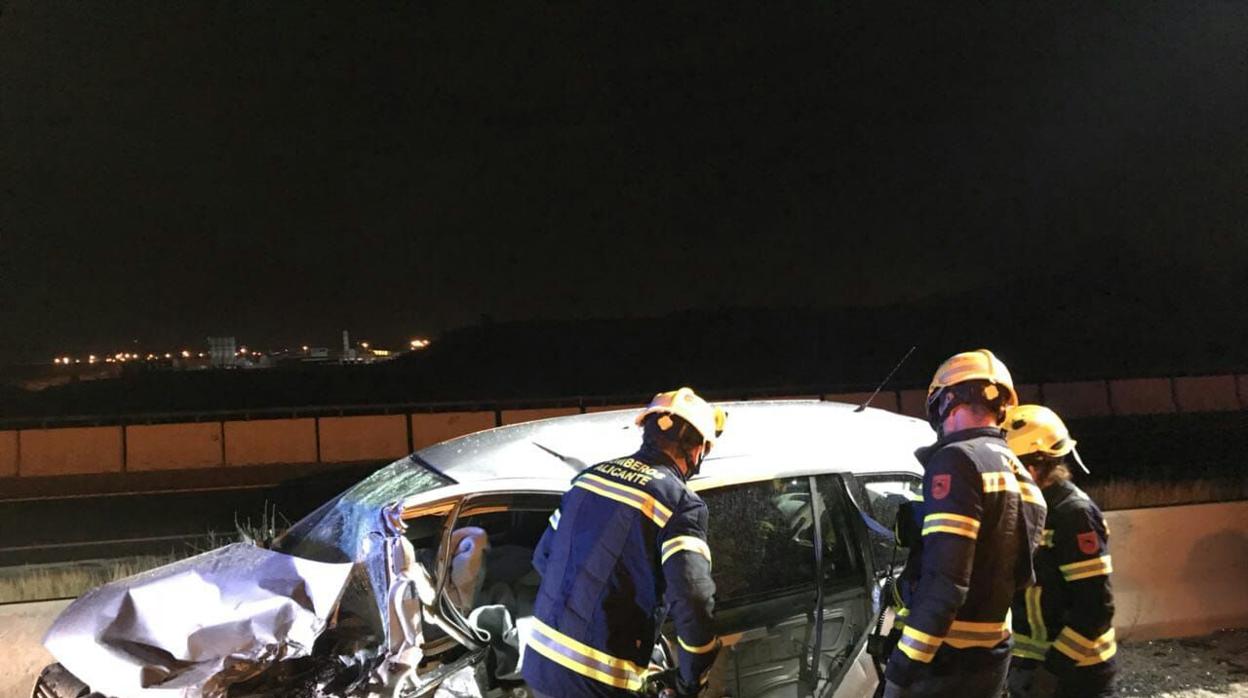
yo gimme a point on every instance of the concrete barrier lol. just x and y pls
(613, 408)
(532, 415)
(1029, 394)
(79, 450)
(435, 427)
(173, 446)
(1141, 396)
(374, 437)
(70, 451)
(267, 441)
(1179, 571)
(886, 400)
(1078, 399)
(1206, 394)
(8, 453)
(913, 403)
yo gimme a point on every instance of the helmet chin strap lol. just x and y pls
(691, 467)
(944, 405)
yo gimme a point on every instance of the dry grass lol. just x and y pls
(70, 579)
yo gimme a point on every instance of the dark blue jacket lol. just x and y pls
(1066, 619)
(982, 520)
(626, 546)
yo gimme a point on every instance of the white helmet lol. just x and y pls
(686, 404)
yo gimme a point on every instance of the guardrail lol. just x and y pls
(349, 433)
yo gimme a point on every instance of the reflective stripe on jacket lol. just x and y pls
(1066, 619)
(981, 518)
(626, 547)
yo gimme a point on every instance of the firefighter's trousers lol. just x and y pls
(1089, 682)
(954, 679)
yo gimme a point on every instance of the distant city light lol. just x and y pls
(305, 347)
(186, 354)
(364, 344)
(419, 343)
(92, 359)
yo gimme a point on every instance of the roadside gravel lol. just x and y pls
(1201, 667)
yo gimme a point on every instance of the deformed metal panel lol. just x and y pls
(192, 628)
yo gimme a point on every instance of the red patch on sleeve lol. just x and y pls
(1089, 544)
(940, 486)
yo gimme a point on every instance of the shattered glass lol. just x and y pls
(351, 528)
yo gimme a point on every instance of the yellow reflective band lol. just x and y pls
(951, 523)
(1087, 568)
(921, 636)
(1083, 651)
(1000, 482)
(963, 634)
(1028, 647)
(1035, 613)
(918, 645)
(692, 544)
(1031, 494)
(698, 649)
(583, 659)
(975, 626)
(1046, 541)
(635, 498)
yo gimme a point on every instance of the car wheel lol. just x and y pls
(55, 681)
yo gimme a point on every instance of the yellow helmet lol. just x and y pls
(1036, 429)
(686, 404)
(981, 365)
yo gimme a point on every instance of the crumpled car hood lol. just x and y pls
(192, 628)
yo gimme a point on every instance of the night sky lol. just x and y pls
(282, 171)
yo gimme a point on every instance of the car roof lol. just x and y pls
(762, 439)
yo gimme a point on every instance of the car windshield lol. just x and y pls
(342, 524)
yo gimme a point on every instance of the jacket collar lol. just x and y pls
(924, 453)
(1059, 491)
(657, 458)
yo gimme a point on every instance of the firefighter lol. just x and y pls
(981, 519)
(626, 547)
(1063, 626)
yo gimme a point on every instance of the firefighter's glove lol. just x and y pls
(892, 690)
(1043, 683)
(661, 683)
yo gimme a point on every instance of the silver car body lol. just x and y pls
(780, 467)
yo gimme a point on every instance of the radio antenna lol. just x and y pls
(884, 382)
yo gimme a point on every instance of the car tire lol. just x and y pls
(55, 681)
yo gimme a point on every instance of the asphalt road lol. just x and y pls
(46, 529)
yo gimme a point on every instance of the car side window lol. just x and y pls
(761, 539)
(884, 495)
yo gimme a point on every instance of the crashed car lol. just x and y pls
(418, 580)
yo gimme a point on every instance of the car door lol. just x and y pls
(880, 497)
(764, 537)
